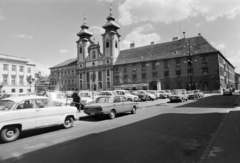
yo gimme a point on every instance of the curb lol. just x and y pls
(210, 144)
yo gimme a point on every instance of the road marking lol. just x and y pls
(36, 146)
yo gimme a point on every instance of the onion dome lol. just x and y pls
(110, 24)
(84, 32)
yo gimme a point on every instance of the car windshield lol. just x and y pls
(6, 105)
(196, 91)
(152, 92)
(102, 100)
(56, 96)
(177, 93)
(85, 94)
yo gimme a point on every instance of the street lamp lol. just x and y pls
(189, 61)
(30, 80)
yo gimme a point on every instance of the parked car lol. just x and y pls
(31, 112)
(144, 96)
(154, 92)
(129, 96)
(178, 96)
(190, 95)
(198, 94)
(59, 98)
(88, 96)
(107, 93)
(110, 105)
(227, 92)
(164, 94)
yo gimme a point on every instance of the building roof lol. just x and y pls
(15, 58)
(69, 62)
(173, 49)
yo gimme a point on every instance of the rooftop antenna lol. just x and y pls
(84, 19)
(110, 9)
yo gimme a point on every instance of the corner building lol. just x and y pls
(187, 63)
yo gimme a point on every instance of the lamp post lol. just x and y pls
(30, 80)
(189, 61)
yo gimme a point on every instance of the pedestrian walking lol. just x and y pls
(76, 100)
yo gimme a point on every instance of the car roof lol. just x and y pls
(21, 98)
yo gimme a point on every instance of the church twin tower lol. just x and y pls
(95, 69)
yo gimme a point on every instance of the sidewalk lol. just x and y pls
(226, 146)
(142, 105)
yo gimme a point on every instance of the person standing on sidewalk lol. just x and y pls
(76, 100)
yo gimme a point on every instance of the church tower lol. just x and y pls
(83, 43)
(111, 39)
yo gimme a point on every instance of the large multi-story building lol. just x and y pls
(187, 63)
(237, 81)
(16, 74)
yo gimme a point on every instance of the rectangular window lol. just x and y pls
(154, 65)
(20, 90)
(5, 67)
(134, 77)
(116, 69)
(100, 75)
(125, 77)
(108, 83)
(125, 69)
(178, 64)
(166, 74)
(134, 67)
(21, 80)
(81, 86)
(116, 79)
(13, 67)
(205, 71)
(21, 69)
(143, 66)
(13, 91)
(166, 64)
(178, 73)
(13, 79)
(143, 76)
(80, 50)
(204, 60)
(5, 79)
(107, 44)
(108, 73)
(29, 70)
(80, 76)
(88, 78)
(154, 75)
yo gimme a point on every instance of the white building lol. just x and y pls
(14, 72)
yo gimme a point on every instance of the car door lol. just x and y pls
(47, 114)
(117, 104)
(126, 105)
(25, 114)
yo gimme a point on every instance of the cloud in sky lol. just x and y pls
(235, 61)
(218, 46)
(44, 69)
(140, 37)
(1, 18)
(96, 30)
(23, 36)
(168, 11)
(62, 51)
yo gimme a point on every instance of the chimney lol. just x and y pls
(174, 38)
(152, 43)
(132, 45)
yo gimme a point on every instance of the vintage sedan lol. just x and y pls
(178, 96)
(110, 105)
(227, 92)
(129, 96)
(31, 112)
(59, 98)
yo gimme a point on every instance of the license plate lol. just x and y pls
(92, 113)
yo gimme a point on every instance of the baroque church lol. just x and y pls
(94, 70)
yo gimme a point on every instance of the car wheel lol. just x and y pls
(186, 99)
(134, 110)
(68, 122)
(10, 133)
(112, 114)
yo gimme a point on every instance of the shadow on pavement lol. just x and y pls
(163, 138)
(215, 101)
(101, 117)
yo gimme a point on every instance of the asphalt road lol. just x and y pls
(168, 132)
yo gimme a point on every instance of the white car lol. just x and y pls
(31, 112)
(88, 97)
(127, 94)
(59, 98)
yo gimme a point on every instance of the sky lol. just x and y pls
(44, 31)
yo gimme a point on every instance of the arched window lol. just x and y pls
(80, 50)
(93, 55)
(107, 44)
(116, 44)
